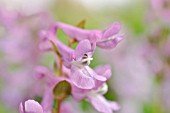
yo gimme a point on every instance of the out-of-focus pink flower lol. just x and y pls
(151, 56)
(161, 8)
(134, 84)
(19, 44)
(12, 92)
(19, 50)
(50, 81)
(106, 39)
(8, 18)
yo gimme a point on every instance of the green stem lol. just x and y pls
(61, 68)
(59, 106)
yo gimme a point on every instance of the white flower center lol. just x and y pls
(83, 61)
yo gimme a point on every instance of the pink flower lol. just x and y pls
(86, 83)
(77, 60)
(96, 99)
(161, 8)
(50, 81)
(8, 18)
(94, 96)
(106, 39)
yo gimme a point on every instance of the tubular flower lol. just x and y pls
(71, 74)
(96, 99)
(77, 60)
(106, 39)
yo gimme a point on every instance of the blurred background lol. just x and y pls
(140, 63)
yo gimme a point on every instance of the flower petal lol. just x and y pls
(105, 71)
(30, 106)
(81, 80)
(94, 74)
(66, 52)
(110, 42)
(100, 104)
(41, 72)
(78, 33)
(112, 30)
(72, 31)
(44, 44)
(47, 101)
(82, 48)
(79, 94)
(114, 105)
(21, 108)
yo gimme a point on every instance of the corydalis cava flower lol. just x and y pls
(74, 69)
(94, 96)
(106, 39)
(77, 60)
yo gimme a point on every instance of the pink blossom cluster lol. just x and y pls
(72, 69)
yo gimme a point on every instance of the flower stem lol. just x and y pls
(58, 105)
(61, 67)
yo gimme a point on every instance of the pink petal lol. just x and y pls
(110, 43)
(100, 78)
(112, 30)
(30, 106)
(79, 94)
(105, 71)
(94, 74)
(81, 80)
(77, 33)
(114, 105)
(72, 31)
(82, 48)
(47, 101)
(100, 104)
(67, 108)
(41, 72)
(21, 108)
(66, 52)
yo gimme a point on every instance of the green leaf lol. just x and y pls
(85, 105)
